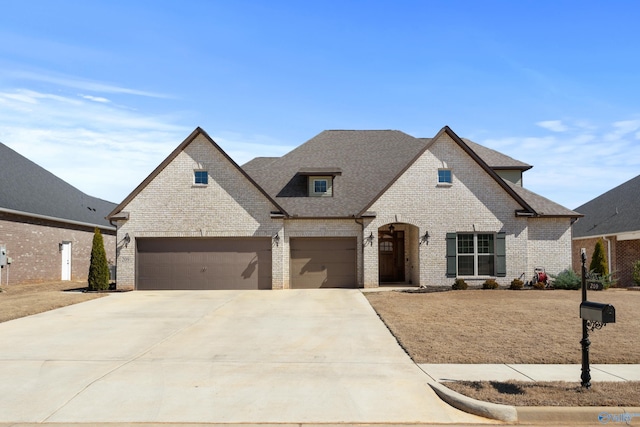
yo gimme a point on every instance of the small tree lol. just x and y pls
(636, 272)
(99, 268)
(599, 260)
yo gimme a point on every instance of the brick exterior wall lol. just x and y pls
(473, 203)
(624, 253)
(172, 206)
(629, 254)
(33, 245)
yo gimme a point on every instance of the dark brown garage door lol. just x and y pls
(323, 263)
(192, 263)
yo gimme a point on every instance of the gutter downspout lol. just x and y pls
(361, 222)
(608, 253)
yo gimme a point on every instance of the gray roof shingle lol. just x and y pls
(30, 189)
(542, 205)
(496, 159)
(369, 161)
(616, 211)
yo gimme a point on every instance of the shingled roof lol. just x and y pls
(369, 161)
(495, 159)
(30, 190)
(613, 212)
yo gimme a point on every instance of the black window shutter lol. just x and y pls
(451, 255)
(501, 255)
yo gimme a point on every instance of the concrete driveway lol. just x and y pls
(316, 356)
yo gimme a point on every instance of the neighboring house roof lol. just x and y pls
(614, 212)
(114, 214)
(370, 162)
(30, 190)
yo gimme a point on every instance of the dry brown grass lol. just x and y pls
(505, 326)
(557, 393)
(24, 300)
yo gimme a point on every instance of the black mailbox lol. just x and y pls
(597, 312)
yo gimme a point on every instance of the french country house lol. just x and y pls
(612, 218)
(46, 225)
(348, 208)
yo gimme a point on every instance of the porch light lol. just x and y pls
(276, 239)
(126, 240)
(369, 240)
(425, 239)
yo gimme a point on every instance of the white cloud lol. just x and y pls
(78, 83)
(553, 125)
(578, 165)
(105, 150)
(621, 129)
(95, 98)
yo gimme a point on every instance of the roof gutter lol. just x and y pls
(51, 218)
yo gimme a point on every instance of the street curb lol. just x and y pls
(592, 415)
(476, 407)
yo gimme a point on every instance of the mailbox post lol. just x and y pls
(594, 315)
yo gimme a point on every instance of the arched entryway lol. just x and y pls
(396, 253)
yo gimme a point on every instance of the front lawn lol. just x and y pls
(505, 326)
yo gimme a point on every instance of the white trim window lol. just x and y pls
(445, 177)
(320, 186)
(200, 177)
(476, 254)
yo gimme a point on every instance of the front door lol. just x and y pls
(391, 255)
(66, 260)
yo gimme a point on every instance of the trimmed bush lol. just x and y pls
(516, 284)
(98, 268)
(459, 284)
(636, 273)
(539, 285)
(567, 279)
(490, 284)
(599, 260)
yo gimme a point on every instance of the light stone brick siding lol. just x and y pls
(33, 246)
(549, 245)
(320, 228)
(474, 202)
(172, 206)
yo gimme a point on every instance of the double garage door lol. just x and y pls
(242, 263)
(203, 263)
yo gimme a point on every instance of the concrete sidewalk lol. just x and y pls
(504, 372)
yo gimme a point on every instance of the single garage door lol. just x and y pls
(203, 263)
(323, 263)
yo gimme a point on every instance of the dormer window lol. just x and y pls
(320, 180)
(320, 186)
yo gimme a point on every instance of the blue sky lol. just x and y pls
(100, 92)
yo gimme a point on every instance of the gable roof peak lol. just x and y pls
(196, 132)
